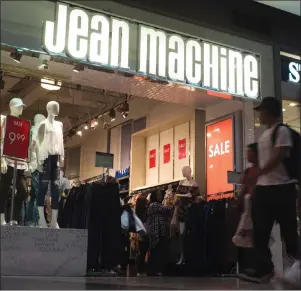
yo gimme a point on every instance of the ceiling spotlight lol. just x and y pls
(112, 115)
(124, 109)
(86, 127)
(93, 123)
(16, 55)
(293, 104)
(106, 125)
(43, 65)
(283, 109)
(79, 133)
(78, 67)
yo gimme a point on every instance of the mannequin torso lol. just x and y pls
(50, 133)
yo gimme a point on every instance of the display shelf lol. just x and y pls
(122, 178)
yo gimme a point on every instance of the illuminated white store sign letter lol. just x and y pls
(294, 72)
(176, 59)
(78, 34)
(55, 42)
(99, 40)
(152, 50)
(224, 69)
(211, 66)
(235, 73)
(251, 76)
(120, 44)
(193, 62)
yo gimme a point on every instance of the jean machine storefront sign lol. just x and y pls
(109, 41)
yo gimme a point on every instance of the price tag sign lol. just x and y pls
(16, 138)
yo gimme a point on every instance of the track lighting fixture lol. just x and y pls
(16, 56)
(43, 65)
(78, 67)
(124, 109)
(112, 115)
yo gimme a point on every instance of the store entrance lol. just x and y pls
(166, 138)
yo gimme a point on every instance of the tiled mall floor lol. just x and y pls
(122, 283)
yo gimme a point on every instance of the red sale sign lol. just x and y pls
(16, 138)
(219, 158)
(166, 155)
(152, 158)
(182, 148)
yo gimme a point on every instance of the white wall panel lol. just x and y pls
(181, 138)
(166, 156)
(152, 148)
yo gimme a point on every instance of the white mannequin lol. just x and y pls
(189, 182)
(53, 109)
(38, 118)
(16, 107)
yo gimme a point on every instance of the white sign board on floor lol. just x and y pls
(29, 251)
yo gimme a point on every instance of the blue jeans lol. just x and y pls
(32, 216)
(50, 175)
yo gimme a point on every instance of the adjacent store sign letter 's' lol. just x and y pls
(105, 41)
(294, 72)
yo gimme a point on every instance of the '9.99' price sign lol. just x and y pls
(16, 138)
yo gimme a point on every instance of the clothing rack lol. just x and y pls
(95, 179)
(162, 187)
(221, 195)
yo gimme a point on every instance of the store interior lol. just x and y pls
(96, 104)
(93, 101)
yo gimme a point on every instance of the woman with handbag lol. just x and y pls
(157, 223)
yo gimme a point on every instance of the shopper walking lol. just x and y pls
(243, 237)
(274, 198)
(143, 243)
(158, 233)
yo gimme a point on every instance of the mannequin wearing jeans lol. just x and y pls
(16, 106)
(35, 170)
(51, 155)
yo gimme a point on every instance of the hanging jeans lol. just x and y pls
(32, 216)
(6, 182)
(51, 173)
(275, 203)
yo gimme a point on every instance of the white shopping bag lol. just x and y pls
(140, 228)
(125, 224)
(276, 250)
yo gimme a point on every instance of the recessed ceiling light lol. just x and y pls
(293, 104)
(50, 84)
(283, 109)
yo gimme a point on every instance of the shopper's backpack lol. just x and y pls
(292, 163)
